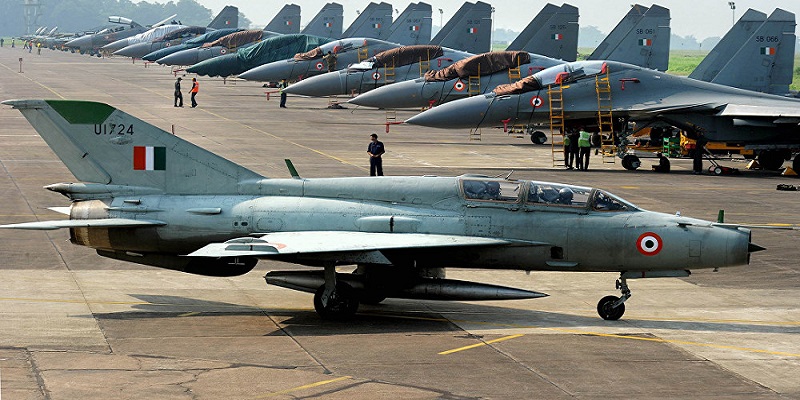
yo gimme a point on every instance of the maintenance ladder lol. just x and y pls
(605, 118)
(555, 95)
(425, 64)
(363, 53)
(389, 72)
(474, 83)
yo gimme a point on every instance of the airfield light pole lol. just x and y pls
(491, 30)
(732, 4)
(441, 17)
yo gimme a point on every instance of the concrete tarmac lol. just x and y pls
(76, 325)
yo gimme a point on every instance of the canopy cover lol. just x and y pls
(406, 55)
(481, 64)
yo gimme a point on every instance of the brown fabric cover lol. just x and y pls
(486, 63)
(523, 85)
(406, 55)
(309, 55)
(237, 39)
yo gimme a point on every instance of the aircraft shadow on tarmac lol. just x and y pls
(398, 316)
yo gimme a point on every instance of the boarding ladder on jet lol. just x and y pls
(605, 118)
(474, 83)
(425, 64)
(475, 134)
(363, 53)
(555, 96)
(514, 75)
(389, 73)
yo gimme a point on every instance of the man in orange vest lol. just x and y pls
(195, 89)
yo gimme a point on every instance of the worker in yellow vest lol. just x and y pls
(585, 145)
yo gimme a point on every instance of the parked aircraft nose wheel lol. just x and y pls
(538, 137)
(631, 162)
(607, 310)
(342, 303)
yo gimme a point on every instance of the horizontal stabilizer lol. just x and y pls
(83, 223)
(274, 244)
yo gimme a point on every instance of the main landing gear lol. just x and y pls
(335, 300)
(611, 308)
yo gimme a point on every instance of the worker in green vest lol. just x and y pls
(585, 145)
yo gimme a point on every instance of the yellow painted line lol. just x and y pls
(189, 314)
(309, 386)
(629, 187)
(504, 338)
(40, 84)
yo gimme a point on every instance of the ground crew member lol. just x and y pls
(330, 59)
(567, 153)
(39, 48)
(375, 151)
(585, 144)
(573, 147)
(13, 42)
(663, 163)
(281, 86)
(195, 89)
(178, 94)
(699, 148)
(1, 42)
(30, 46)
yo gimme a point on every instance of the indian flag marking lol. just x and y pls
(149, 158)
(288, 23)
(413, 28)
(768, 51)
(328, 24)
(472, 30)
(645, 42)
(557, 36)
(376, 26)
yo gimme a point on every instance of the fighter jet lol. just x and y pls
(468, 30)
(718, 113)
(190, 44)
(287, 21)
(146, 36)
(127, 28)
(412, 26)
(553, 33)
(149, 197)
(406, 63)
(628, 42)
(228, 18)
(756, 54)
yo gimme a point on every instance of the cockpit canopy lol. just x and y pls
(559, 74)
(532, 193)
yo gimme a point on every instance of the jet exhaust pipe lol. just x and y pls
(421, 289)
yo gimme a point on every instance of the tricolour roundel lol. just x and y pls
(223, 51)
(168, 44)
(459, 86)
(376, 75)
(536, 101)
(649, 243)
(319, 66)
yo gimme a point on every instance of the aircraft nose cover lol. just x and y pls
(269, 50)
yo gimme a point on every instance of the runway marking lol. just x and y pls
(189, 314)
(40, 84)
(472, 346)
(309, 386)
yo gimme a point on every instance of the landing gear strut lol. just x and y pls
(611, 308)
(335, 300)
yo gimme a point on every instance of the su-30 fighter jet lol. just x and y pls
(146, 196)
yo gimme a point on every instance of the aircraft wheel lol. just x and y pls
(538, 137)
(717, 171)
(342, 304)
(771, 160)
(606, 309)
(631, 162)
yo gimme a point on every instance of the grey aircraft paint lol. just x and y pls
(644, 42)
(556, 37)
(412, 26)
(328, 22)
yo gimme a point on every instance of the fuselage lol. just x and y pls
(558, 227)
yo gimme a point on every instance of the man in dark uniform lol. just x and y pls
(178, 94)
(697, 159)
(195, 89)
(281, 86)
(375, 151)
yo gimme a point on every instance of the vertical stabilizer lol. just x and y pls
(413, 26)
(765, 63)
(471, 33)
(727, 47)
(226, 19)
(101, 144)
(287, 20)
(327, 23)
(558, 36)
(373, 22)
(645, 44)
(536, 24)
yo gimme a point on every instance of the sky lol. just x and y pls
(701, 18)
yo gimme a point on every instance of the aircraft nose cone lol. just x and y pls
(114, 46)
(271, 72)
(407, 94)
(83, 41)
(134, 51)
(183, 57)
(317, 86)
(465, 113)
(752, 248)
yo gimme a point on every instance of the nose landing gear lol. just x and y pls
(611, 308)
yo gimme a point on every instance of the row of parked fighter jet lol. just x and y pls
(757, 54)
